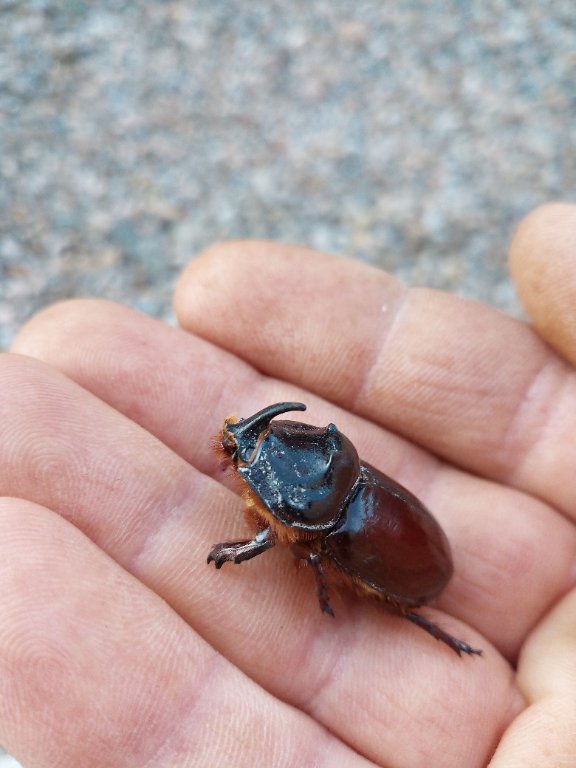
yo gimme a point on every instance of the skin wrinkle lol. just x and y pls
(319, 756)
(404, 302)
(514, 426)
(271, 743)
(332, 669)
(500, 468)
(525, 449)
(179, 499)
(359, 401)
(429, 469)
(430, 720)
(213, 663)
(503, 565)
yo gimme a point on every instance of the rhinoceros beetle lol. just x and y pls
(306, 487)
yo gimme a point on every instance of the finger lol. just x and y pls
(545, 733)
(159, 520)
(543, 266)
(303, 316)
(175, 389)
(501, 539)
(468, 383)
(95, 668)
(497, 552)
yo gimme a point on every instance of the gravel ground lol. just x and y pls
(412, 135)
(8, 762)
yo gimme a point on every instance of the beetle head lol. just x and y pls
(240, 438)
(302, 475)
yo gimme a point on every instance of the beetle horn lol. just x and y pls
(249, 429)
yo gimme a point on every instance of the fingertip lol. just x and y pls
(542, 241)
(204, 291)
(48, 329)
(543, 267)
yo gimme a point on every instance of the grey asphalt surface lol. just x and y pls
(412, 135)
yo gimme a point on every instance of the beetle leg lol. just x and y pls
(321, 584)
(459, 646)
(238, 551)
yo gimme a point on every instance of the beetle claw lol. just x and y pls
(458, 646)
(327, 608)
(238, 551)
(218, 557)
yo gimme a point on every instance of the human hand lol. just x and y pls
(121, 647)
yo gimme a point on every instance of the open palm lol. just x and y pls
(121, 647)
